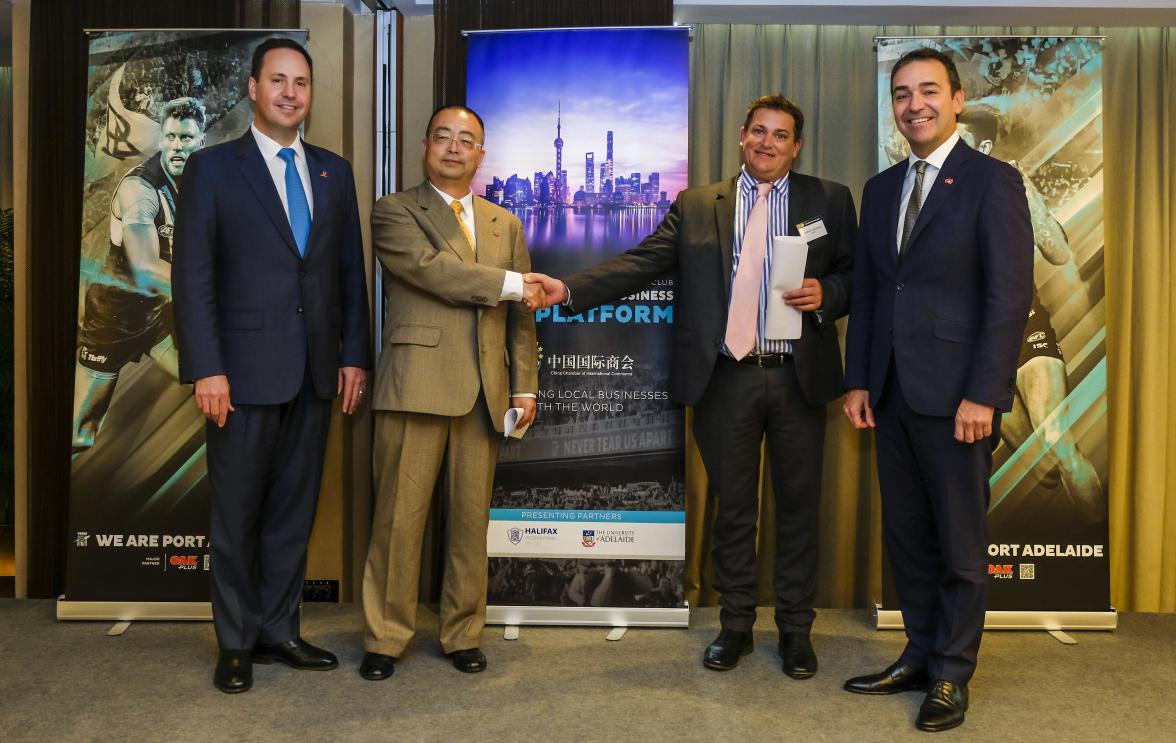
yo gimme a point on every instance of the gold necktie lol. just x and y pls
(455, 205)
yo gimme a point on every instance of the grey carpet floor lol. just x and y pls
(69, 682)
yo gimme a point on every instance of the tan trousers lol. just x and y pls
(410, 449)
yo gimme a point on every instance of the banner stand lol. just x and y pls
(585, 616)
(130, 611)
(1049, 621)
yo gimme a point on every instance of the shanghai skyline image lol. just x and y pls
(589, 118)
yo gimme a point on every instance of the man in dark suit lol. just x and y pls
(272, 318)
(942, 284)
(742, 384)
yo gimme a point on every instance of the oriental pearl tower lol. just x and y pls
(559, 187)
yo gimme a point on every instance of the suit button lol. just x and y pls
(299, 310)
(898, 287)
(302, 274)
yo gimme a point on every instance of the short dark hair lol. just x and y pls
(924, 54)
(777, 102)
(459, 107)
(183, 108)
(277, 42)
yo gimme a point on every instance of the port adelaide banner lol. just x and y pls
(138, 509)
(1036, 103)
(587, 145)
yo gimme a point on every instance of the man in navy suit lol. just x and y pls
(942, 284)
(271, 316)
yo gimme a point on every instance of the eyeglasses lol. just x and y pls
(444, 138)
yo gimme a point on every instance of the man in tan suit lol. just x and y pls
(458, 349)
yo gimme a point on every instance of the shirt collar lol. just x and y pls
(939, 156)
(747, 182)
(467, 201)
(270, 149)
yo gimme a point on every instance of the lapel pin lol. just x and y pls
(323, 174)
(496, 232)
(949, 181)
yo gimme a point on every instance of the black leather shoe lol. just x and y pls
(724, 653)
(377, 666)
(894, 680)
(944, 707)
(469, 661)
(234, 672)
(798, 656)
(296, 653)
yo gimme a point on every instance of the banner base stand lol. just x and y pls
(588, 616)
(117, 629)
(511, 632)
(1049, 621)
(134, 611)
(616, 633)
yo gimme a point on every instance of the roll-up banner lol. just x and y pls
(1036, 103)
(586, 144)
(139, 499)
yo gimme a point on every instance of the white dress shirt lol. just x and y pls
(512, 285)
(277, 166)
(934, 164)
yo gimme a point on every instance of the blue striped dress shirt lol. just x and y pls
(777, 225)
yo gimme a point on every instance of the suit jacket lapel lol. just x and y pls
(802, 204)
(487, 232)
(257, 175)
(319, 188)
(444, 220)
(897, 175)
(946, 180)
(725, 226)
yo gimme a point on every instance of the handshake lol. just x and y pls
(541, 290)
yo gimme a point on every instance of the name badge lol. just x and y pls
(812, 229)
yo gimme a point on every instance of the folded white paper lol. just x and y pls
(789, 255)
(510, 424)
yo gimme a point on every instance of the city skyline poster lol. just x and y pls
(586, 143)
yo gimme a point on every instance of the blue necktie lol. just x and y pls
(296, 202)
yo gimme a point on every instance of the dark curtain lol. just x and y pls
(451, 17)
(57, 81)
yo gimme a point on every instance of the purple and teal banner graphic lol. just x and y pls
(139, 498)
(1036, 103)
(586, 143)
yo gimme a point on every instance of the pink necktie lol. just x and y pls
(743, 315)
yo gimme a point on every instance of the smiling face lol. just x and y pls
(925, 108)
(281, 94)
(178, 138)
(769, 144)
(453, 151)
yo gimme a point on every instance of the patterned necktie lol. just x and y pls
(457, 208)
(296, 202)
(913, 206)
(743, 314)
